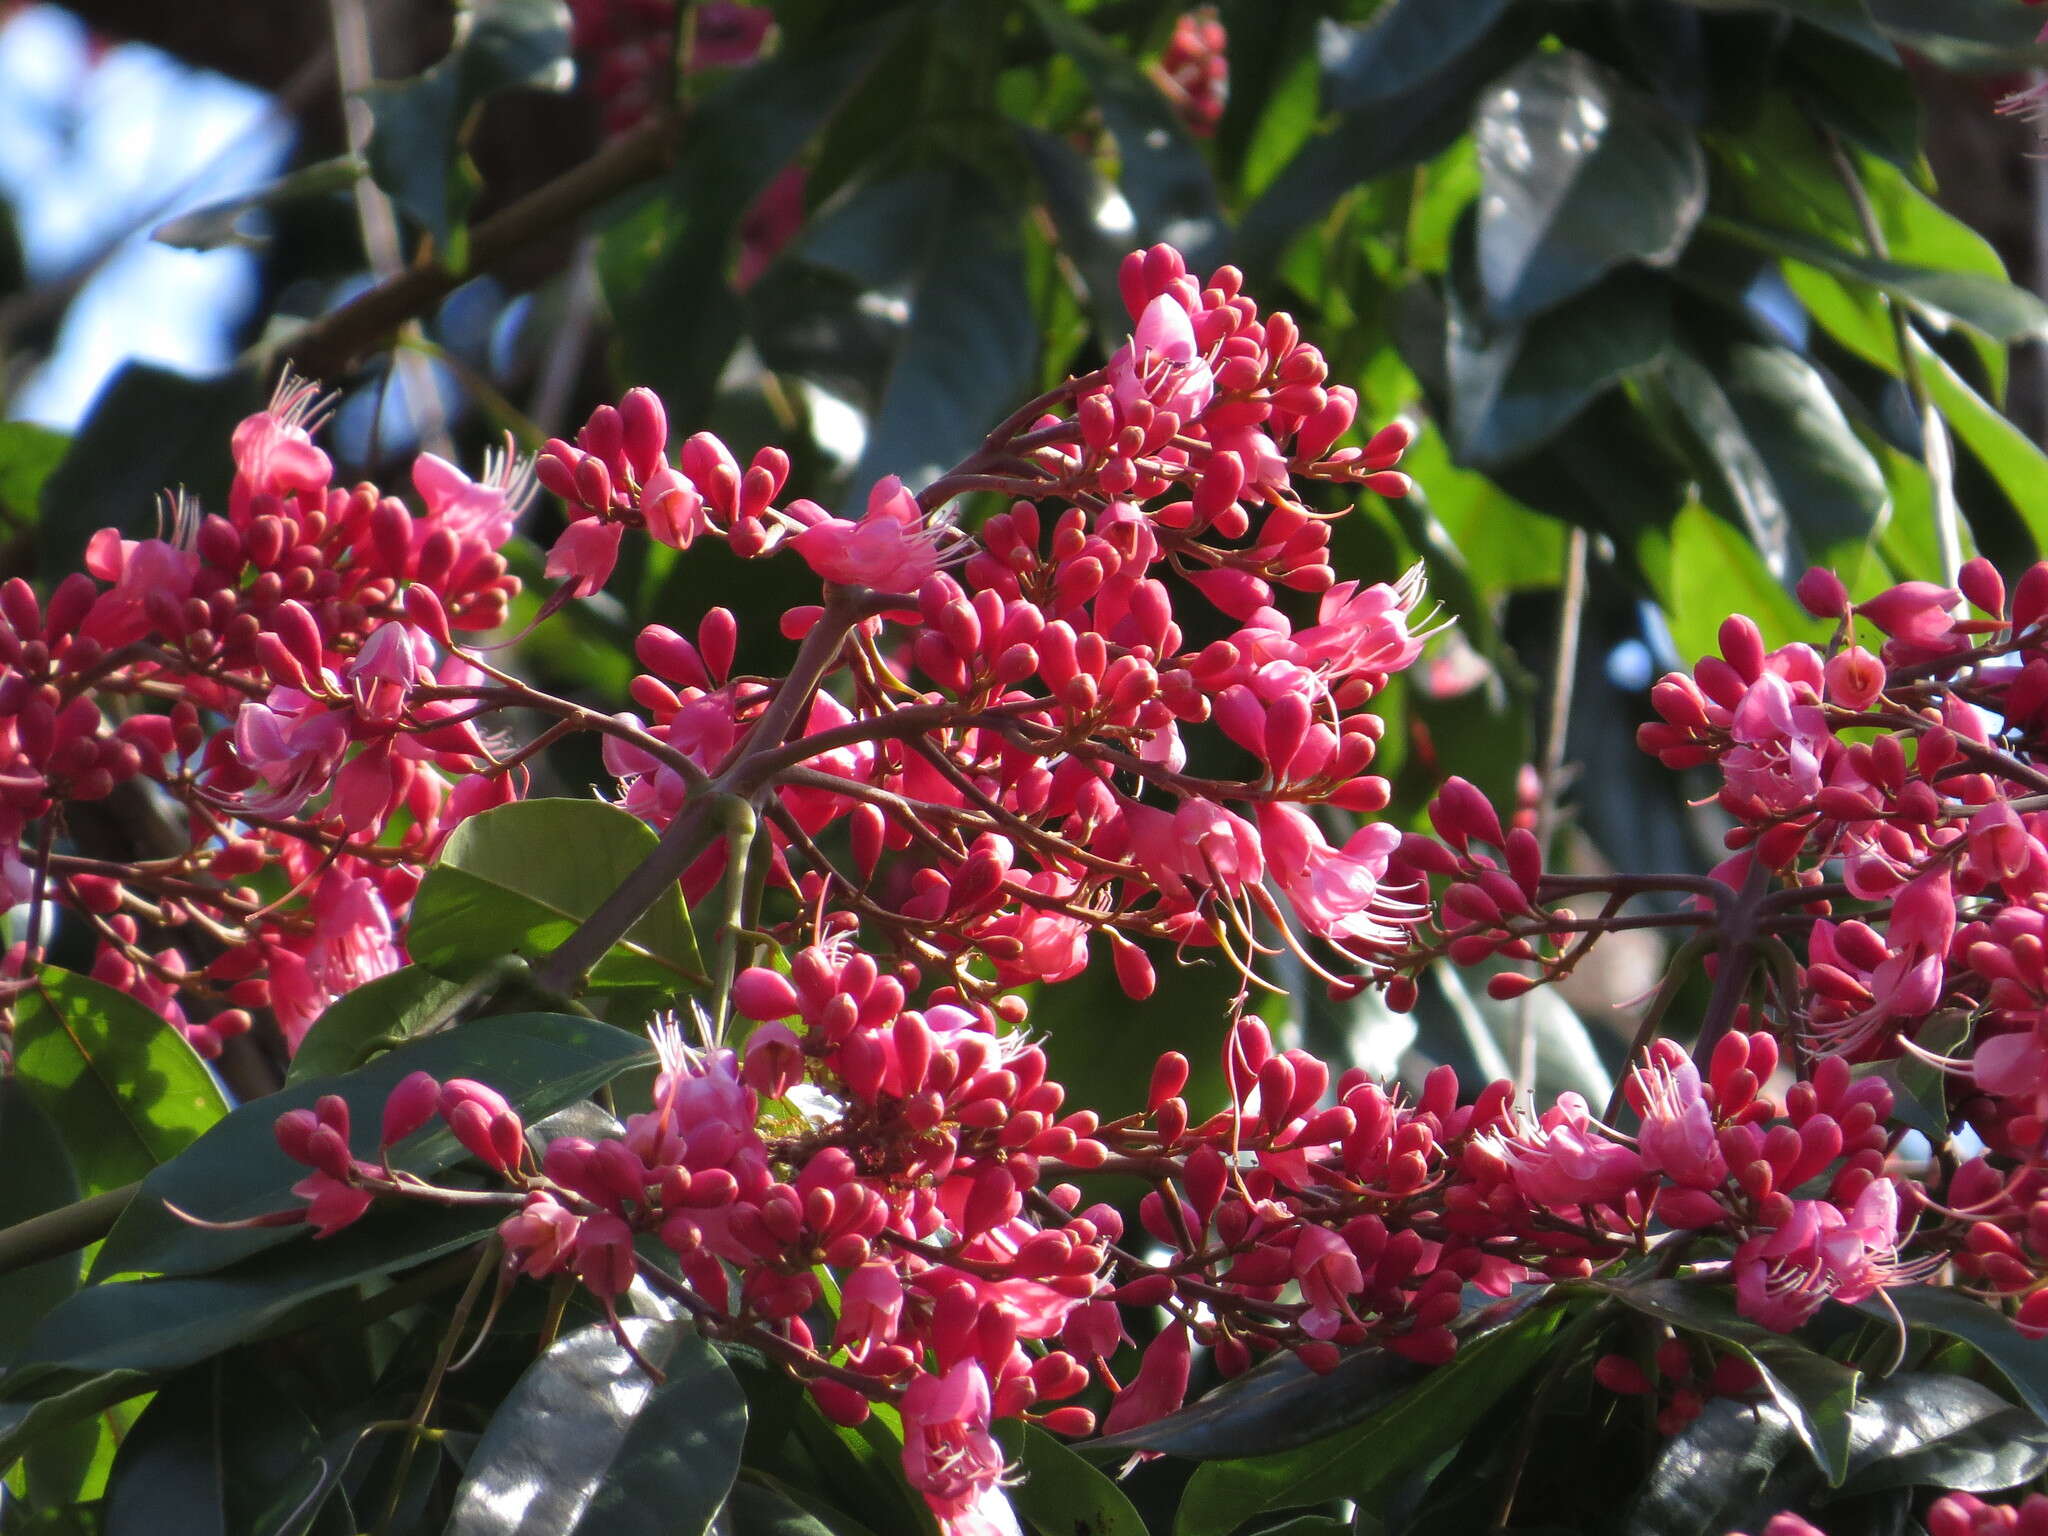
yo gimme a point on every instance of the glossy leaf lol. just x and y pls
(959, 350)
(374, 1017)
(1938, 1431)
(2022, 1361)
(216, 225)
(2012, 459)
(540, 1062)
(1711, 1476)
(1514, 388)
(522, 877)
(38, 1178)
(1778, 453)
(1847, 19)
(1161, 173)
(587, 1442)
(1963, 34)
(25, 1418)
(758, 1510)
(414, 146)
(167, 1324)
(1814, 1392)
(1059, 1494)
(1582, 173)
(122, 1086)
(1404, 43)
(1420, 1424)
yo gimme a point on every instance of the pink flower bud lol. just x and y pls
(774, 1061)
(761, 994)
(1855, 678)
(410, 1105)
(1822, 594)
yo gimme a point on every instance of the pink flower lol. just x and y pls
(890, 549)
(274, 452)
(394, 659)
(540, 1238)
(1196, 848)
(351, 943)
(294, 743)
(1328, 1273)
(1782, 1276)
(484, 509)
(585, 554)
(870, 1304)
(1677, 1138)
(949, 1455)
(1160, 362)
(138, 568)
(1916, 612)
(1337, 893)
(1160, 1386)
(1775, 764)
(1363, 629)
(1564, 1160)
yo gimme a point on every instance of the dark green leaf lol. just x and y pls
(1712, 1474)
(26, 1419)
(1404, 44)
(414, 147)
(1847, 19)
(1942, 1309)
(540, 1062)
(1963, 34)
(38, 1178)
(1919, 1088)
(1059, 1493)
(1422, 1423)
(1814, 1392)
(1942, 1431)
(663, 265)
(149, 429)
(120, 1083)
(502, 883)
(942, 249)
(1513, 388)
(588, 1443)
(220, 224)
(1162, 173)
(1094, 226)
(28, 454)
(758, 1510)
(164, 1325)
(1777, 453)
(1990, 305)
(376, 1016)
(1582, 173)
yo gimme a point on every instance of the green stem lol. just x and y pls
(740, 825)
(487, 1261)
(64, 1230)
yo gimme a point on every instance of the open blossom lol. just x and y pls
(1565, 1160)
(1161, 362)
(352, 942)
(585, 554)
(890, 549)
(1782, 1276)
(1776, 761)
(949, 1455)
(1338, 894)
(1677, 1138)
(294, 743)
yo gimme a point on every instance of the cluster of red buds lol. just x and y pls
(1953, 1514)
(1195, 69)
(973, 776)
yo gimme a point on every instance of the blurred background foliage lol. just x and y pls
(1685, 294)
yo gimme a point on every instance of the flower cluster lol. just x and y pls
(1953, 1514)
(1195, 69)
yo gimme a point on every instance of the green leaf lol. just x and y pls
(1515, 387)
(540, 1062)
(1989, 305)
(167, 1324)
(1409, 41)
(1713, 1474)
(1940, 1431)
(149, 429)
(941, 249)
(215, 1452)
(502, 883)
(2007, 453)
(1162, 173)
(587, 1443)
(1093, 223)
(2022, 1361)
(1702, 568)
(1582, 173)
(1059, 1493)
(1847, 19)
(120, 1082)
(38, 1179)
(1777, 454)
(664, 264)
(1814, 1392)
(414, 151)
(376, 1016)
(1421, 1424)
(24, 1419)
(756, 1509)
(215, 225)
(28, 453)
(1963, 34)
